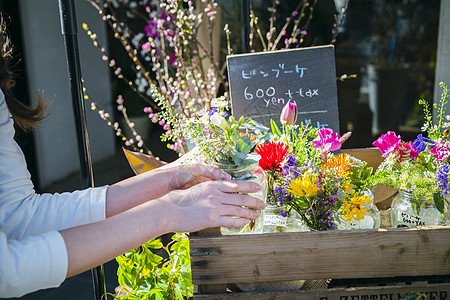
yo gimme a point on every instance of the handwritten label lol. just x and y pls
(274, 220)
(262, 83)
(412, 221)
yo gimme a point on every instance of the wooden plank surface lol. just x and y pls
(370, 155)
(431, 291)
(392, 252)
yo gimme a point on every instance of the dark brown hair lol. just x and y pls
(24, 116)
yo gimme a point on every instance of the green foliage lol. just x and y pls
(221, 139)
(144, 274)
(436, 131)
(361, 176)
(419, 176)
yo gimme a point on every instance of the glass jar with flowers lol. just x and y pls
(227, 143)
(419, 170)
(273, 154)
(311, 180)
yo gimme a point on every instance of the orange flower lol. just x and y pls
(340, 164)
(251, 136)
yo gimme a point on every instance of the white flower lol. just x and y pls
(218, 120)
(424, 127)
(409, 185)
(219, 102)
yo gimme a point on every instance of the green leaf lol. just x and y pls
(178, 292)
(367, 173)
(244, 145)
(154, 244)
(439, 202)
(235, 156)
(275, 129)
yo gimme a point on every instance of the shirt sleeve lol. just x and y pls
(32, 263)
(22, 211)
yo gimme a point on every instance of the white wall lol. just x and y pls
(443, 51)
(45, 60)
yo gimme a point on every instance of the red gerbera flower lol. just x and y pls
(272, 155)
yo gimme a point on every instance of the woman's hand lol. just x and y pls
(208, 204)
(183, 177)
(213, 204)
(157, 183)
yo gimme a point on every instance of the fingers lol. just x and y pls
(244, 200)
(225, 221)
(193, 174)
(239, 211)
(202, 170)
(238, 186)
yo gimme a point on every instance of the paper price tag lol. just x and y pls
(275, 220)
(411, 220)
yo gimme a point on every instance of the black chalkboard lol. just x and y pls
(262, 83)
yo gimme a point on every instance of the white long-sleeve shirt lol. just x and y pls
(33, 254)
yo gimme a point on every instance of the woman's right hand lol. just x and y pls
(212, 204)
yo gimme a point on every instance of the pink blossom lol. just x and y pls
(146, 46)
(406, 152)
(387, 143)
(441, 150)
(327, 140)
(289, 113)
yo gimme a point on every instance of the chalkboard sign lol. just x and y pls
(262, 83)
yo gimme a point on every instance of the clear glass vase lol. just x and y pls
(371, 220)
(410, 211)
(247, 172)
(272, 221)
(446, 209)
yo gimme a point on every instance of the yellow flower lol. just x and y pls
(347, 187)
(304, 186)
(359, 213)
(352, 206)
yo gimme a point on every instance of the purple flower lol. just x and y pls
(280, 191)
(290, 167)
(442, 178)
(420, 143)
(152, 29)
(211, 112)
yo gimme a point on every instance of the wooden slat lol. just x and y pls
(371, 155)
(209, 288)
(431, 291)
(383, 194)
(421, 251)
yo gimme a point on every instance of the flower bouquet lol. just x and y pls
(418, 169)
(229, 144)
(304, 176)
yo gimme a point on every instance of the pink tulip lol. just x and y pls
(327, 140)
(387, 143)
(289, 113)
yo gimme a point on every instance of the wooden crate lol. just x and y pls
(358, 264)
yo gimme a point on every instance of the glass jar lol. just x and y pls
(247, 172)
(371, 220)
(446, 209)
(272, 221)
(410, 211)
